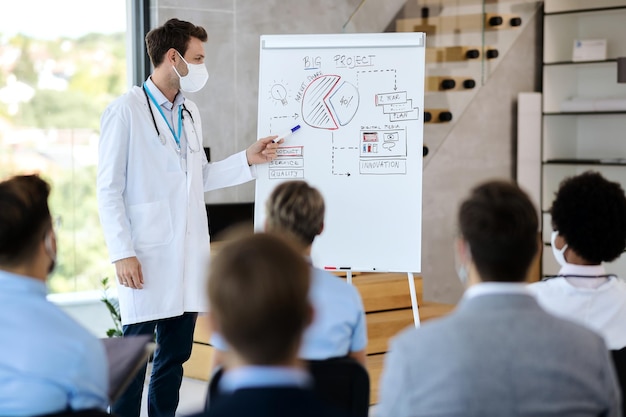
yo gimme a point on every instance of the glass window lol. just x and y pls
(61, 63)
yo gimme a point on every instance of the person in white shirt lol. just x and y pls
(499, 353)
(589, 222)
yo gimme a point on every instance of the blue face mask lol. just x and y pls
(559, 254)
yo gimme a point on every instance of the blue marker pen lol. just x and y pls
(286, 133)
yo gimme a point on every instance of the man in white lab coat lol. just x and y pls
(152, 176)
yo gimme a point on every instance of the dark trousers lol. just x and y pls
(174, 338)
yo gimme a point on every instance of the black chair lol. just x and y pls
(343, 383)
(619, 361)
(214, 382)
(340, 382)
(81, 413)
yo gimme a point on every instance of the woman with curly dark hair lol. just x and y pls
(589, 223)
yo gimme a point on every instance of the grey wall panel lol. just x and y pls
(480, 147)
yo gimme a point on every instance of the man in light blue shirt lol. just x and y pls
(48, 362)
(338, 329)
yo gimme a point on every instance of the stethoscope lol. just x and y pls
(181, 115)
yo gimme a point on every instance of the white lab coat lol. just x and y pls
(150, 208)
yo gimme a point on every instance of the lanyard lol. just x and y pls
(180, 119)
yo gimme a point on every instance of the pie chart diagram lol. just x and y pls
(329, 102)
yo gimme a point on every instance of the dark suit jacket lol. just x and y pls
(270, 402)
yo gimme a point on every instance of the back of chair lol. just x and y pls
(213, 391)
(340, 382)
(80, 413)
(343, 383)
(619, 360)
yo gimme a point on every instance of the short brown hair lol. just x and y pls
(258, 296)
(499, 223)
(297, 209)
(173, 34)
(24, 217)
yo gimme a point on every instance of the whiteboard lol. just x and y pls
(359, 99)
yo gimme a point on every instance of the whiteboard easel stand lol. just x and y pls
(395, 79)
(414, 306)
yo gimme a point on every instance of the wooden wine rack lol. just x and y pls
(459, 53)
(462, 23)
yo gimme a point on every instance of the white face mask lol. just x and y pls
(461, 270)
(559, 255)
(196, 77)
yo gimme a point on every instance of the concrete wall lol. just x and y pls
(480, 146)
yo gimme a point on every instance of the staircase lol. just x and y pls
(465, 39)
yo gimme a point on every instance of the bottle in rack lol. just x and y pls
(425, 27)
(469, 84)
(497, 21)
(447, 83)
(437, 116)
(491, 53)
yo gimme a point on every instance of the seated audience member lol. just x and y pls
(48, 362)
(589, 223)
(258, 297)
(499, 353)
(296, 210)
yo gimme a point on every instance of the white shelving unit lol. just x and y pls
(592, 134)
